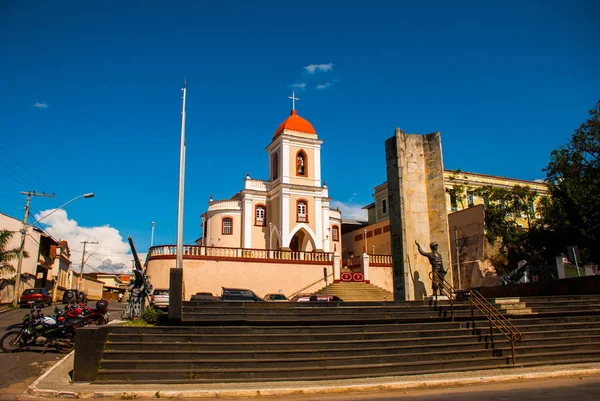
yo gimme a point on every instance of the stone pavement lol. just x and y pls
(56, 383)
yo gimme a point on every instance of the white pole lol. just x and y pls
(179, 262)
(152, 236)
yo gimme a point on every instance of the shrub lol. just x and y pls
(151, 315)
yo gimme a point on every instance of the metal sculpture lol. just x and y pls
(139, 288)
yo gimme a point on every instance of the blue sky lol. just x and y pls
(90, 97)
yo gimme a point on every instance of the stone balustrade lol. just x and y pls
(240, 253)
(225, 205)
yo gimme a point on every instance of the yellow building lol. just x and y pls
(374, 238)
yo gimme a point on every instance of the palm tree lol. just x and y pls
(7, 270)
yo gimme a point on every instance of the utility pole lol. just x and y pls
(17, 292)
(83, 263)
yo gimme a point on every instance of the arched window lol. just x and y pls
(227, 226)
(301, 163)
(274, 167)
(302, 211)
(335, 233)
(260, 215)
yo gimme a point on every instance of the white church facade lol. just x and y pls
(289, 211)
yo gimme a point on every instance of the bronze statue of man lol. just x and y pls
(437, 265)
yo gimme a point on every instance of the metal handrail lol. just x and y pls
(496, 319)
(445, 289)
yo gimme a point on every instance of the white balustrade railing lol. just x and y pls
(241, 253)
(258, 185)
(381, 259)
(226, 204)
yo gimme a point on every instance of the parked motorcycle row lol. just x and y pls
(58, 331)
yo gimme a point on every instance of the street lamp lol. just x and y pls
(88, 195)
(24, 228)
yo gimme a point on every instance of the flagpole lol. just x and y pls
(179, 262)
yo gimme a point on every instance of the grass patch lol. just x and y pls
(137, 323)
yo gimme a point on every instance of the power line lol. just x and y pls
(13, 170)
(24, 168)
(14, 179)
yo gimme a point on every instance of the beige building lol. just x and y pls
(374, 237)
(290, 210)
(35, 268)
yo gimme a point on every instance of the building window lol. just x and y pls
(301, 163)
(275, 166)
(470, 199)
(384, 206)
(227, 226)
(453, 202)
(335, 233)
(260, 215)
(302, 212)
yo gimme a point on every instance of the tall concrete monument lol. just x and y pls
(417, 208)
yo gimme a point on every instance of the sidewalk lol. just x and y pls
(56, 383)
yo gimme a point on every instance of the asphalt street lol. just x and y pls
(19, 369)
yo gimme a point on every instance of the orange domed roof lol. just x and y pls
(295, 123)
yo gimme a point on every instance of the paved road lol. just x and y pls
(18, 370)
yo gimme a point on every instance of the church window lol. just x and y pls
(260, 215)
(453, 202)
(470, 199)
(384, 206)
(302, 209)
(301, 163)
(335, 233)
(275, 166)
(227, 228)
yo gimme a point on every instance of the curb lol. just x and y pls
(386, 384)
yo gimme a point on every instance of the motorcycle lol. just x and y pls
(39, 330)
(95, 316)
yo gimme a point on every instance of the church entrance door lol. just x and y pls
(294, 243)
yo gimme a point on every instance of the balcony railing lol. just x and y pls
(258, 185)
(241, 253)
(225, 205)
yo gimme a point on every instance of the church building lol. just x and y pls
(289, 211)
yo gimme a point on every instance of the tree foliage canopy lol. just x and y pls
(7, 255)
(573, 177)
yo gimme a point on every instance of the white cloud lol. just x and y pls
(311, 69)
(300, 85)
(112, 254)
(40, 105)
(350, 211)
(324, 86)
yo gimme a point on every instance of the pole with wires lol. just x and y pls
(29, 194)
(83, 263)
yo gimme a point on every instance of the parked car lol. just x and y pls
(315, 298)
(160, 298)
(74, 296)
(239, 294)
(276, 298)
(35, 296)
(204, 296)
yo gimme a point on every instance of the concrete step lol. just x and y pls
(315, 372)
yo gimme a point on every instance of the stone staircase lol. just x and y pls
(249, 342)
(357, 292)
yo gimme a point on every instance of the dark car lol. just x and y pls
(239, 294)
(204, 296)
(36, 296)
(74, 296)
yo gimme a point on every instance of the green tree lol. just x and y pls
(7, 255)
(504, 209)
(572, 212)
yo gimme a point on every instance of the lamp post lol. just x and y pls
(16, 294)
